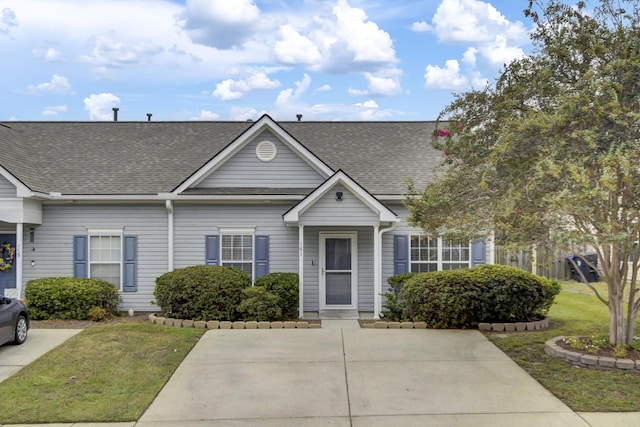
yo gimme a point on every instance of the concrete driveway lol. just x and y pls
(39, 341)
(359, 377)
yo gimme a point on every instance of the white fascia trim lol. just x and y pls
(265, 122)
(237, 230)
(385, 214)
(107, 231)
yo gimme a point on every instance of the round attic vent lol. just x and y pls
(266, 151)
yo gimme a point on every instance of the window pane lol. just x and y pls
(338, 254)
(415, 254)
(106, 272)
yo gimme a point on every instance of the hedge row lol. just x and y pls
(71, 298)
(466, 297)
(222, 293)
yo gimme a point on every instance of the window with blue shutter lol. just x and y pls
(80, 254)
(262, 255)
(130, 264)
(400, 254)
(212, 250)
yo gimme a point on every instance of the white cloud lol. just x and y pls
(228, 90)
(499, 52)
(294, 48)
(206, 115)
(420, 27)
(367, 104)
(469, 57)
(58, 84)
(386, 83)
(100, 106)
(54, 110)
(473, 21)
(49, 54)
(448, 77)
(324, 88)
(7, 20)
(222, 24)
(289, 96)
(244, 114)
(110, 52)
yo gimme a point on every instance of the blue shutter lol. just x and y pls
(80, 256)
(478, 252)
(400, 254)
(130, 259)
(212, 250)
(262, 255)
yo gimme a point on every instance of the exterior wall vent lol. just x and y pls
(266, 151)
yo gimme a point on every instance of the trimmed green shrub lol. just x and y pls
(466, 297)
(286, 286)
(202, 292)
(393, 303)
(69, 298)
(260, 305)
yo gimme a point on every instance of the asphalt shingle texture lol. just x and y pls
(139, 158)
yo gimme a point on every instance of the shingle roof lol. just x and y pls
(136, 158)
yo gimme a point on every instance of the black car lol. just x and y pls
(14, 321)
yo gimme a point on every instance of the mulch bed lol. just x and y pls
(603, 352)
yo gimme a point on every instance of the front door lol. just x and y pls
(338, 270)
(8, 272)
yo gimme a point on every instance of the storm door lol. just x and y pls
(338, 270)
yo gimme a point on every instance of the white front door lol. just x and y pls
(338, 270)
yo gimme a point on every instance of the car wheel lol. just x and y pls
(21, 330)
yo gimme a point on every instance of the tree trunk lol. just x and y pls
(616, 320)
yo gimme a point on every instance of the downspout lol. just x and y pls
(169, 206)
(377, 273)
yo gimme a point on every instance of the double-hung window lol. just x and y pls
(429, 253)
(105, 256)
(237, 252)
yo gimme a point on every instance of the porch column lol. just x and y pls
(17, 262)
(301, 270)
(377, 272)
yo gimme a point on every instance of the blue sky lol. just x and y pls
(73, 60)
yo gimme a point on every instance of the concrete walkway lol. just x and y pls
(341, 376)
(39, 342)
(359, 377)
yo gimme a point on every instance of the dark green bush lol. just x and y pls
(466, 297)
(202, 292)
(393, 303)
(286, 286)
(69, 298)
(260, 305)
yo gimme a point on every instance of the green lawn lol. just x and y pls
(103, 374)
(576, 313)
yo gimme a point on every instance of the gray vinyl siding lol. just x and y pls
(244, 169)
(7, 189)
(312, 266)
(329, 211)
(52, 250)
(192, 222)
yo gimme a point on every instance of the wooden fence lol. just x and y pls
(550, 263)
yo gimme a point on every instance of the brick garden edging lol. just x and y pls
(216, 324)
(577, 358)
(515, 327)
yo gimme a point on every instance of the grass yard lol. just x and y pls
(106, 373)
(576, 313)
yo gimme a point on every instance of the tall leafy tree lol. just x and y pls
(550, 154)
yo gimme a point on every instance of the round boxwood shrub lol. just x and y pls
(286, 286)
(202, 292)
(70, 298)
(260, 305)
(466, 297)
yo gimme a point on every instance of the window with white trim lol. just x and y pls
(105, 257)
(237, 252)
(429, 253)
(424, 254)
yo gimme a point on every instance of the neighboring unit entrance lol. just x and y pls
(7, 276)
(338, 270)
